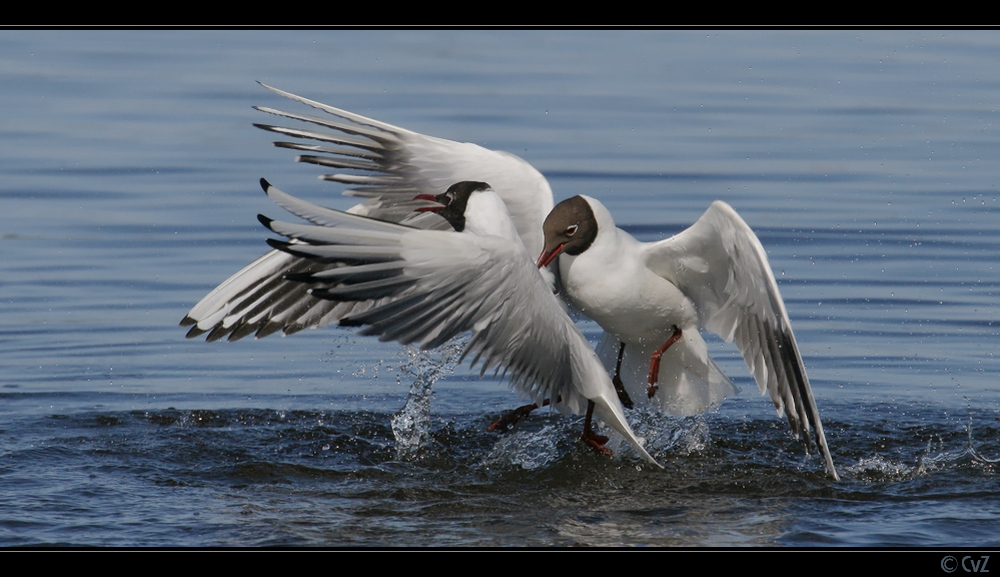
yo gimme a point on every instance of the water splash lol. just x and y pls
(881, 469)
(528, 450)
(935, 458)
(412, 424)
(663, 433)
(967, 456)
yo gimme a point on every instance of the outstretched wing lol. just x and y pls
(434, 285)
(721, 266)
(390, 165)
(260, 300)
(387, 166)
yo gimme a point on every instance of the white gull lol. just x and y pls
(389, 166)
(654, 297)
(433, 285)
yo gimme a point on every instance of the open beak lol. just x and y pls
(438, 207)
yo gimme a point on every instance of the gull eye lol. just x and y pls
(570, 230)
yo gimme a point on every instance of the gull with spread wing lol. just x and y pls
(433, 285)
(388, 167)
(719, 270)
(654, 297)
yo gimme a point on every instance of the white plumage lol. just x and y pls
(388, 166)
(434, 285)
(713, 275)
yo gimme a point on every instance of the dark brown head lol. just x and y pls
(453, 202)
(571, 228)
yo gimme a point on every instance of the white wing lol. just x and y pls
(396, 164)
(434, 285)
(720, 265)
(387, 166)
(259, 299)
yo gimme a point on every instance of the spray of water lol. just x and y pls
(412, 424)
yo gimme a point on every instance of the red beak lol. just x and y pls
(437, 208)
(546, 257)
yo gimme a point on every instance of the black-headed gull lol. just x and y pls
(654, 297)
(386, 165)
(389, 166)
(433, 285)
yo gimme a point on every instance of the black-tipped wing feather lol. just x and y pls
(437, 285)
(720, 265)
(387, 166)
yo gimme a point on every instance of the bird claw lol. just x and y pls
(596, 442)
(511, 418)
(651, 390)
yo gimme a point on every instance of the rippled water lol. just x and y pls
(866, 163)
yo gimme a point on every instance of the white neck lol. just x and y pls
(486, 215)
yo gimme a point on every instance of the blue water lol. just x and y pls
(865, 161)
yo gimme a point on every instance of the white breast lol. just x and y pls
(612, 285)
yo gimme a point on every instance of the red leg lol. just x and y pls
(617, 381)
(508, 420)
(654, 365)
(590, 437)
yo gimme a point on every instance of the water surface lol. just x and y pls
(865, 161)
